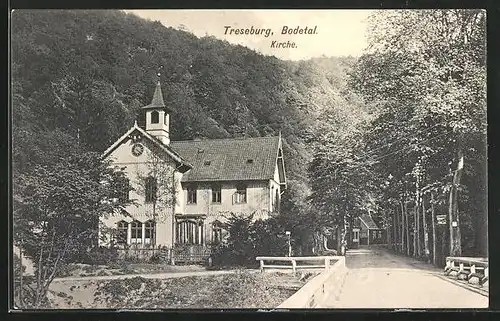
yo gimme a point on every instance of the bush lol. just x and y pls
(103, 256)
(247, 240)
(66, 270)
(155, 258)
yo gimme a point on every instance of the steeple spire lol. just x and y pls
(157, 100)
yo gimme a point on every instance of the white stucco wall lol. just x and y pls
(260, 196)
(136, 167)
(257, 199)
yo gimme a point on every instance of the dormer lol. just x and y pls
(158, 117)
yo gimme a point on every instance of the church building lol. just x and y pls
(184, 190)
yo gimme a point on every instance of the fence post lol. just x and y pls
(327, 263)
(472, 272)
(294, 266)
(261, 265)
(450, 265)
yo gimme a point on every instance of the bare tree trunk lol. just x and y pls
(39, 279)
(433, 230)
(407, 229)
(351, 226)
(417, 226)
(417, 217)
(21, 272)
(415, 221)
(344, 235)
(424, 226)
(153, 241)
(454, 220)
(402, 227)
(395, 228)
(338, 239)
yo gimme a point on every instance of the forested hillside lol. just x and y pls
(80, 77)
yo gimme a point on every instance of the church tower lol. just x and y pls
(157, 117)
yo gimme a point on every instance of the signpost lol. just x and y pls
(288, 233)
(441, 219)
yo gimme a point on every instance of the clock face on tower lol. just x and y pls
(137, 149)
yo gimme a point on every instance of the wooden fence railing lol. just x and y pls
(468, 267)
(319, 262)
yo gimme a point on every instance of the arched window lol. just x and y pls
(189, 232)
(155, 117)
(151, 189)
(149, 232)
(121, 235)
(136, 228)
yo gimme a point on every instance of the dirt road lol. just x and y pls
(379, 279)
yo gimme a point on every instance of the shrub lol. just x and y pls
(248, 240)
(65, 270)
(103, 256)
(155, 258)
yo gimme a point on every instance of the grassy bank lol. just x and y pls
(239, 290)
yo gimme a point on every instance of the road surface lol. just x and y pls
(379, 279)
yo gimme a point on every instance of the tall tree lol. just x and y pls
(57, 206)
(425, 70)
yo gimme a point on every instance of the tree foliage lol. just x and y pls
(57, 205)
(87, 73)
(424, 75)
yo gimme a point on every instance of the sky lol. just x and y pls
(338, 32)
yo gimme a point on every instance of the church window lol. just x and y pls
(136, 228)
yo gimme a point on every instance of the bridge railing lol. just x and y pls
(468, 268)
(318, 262)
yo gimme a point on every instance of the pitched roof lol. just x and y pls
(157, 101)
(167, 149)
(229, 159)
(368, 221)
